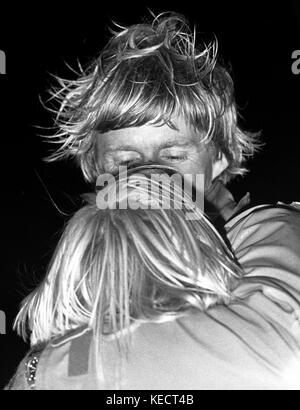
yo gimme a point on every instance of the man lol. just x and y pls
(152, 96)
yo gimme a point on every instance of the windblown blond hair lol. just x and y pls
(115, 267)
(147, 74)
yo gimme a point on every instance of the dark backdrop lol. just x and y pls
(257, 41)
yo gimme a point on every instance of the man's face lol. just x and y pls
(163, 145)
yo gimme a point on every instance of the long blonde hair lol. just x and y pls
(114, 267)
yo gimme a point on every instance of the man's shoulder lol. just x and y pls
(263, 214)
(272, 227)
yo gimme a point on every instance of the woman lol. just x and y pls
(146, 298)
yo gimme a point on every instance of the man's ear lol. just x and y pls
(219, 165)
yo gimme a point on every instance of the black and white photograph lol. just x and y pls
(150, 198)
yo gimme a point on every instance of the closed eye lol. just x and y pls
(175, 157)
(116, 159)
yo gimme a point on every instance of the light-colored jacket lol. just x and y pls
(253, 343)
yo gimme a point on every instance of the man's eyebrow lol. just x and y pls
(121, 148)
(174, 144)
(166, 144)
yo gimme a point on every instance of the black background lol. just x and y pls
(256, 38)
